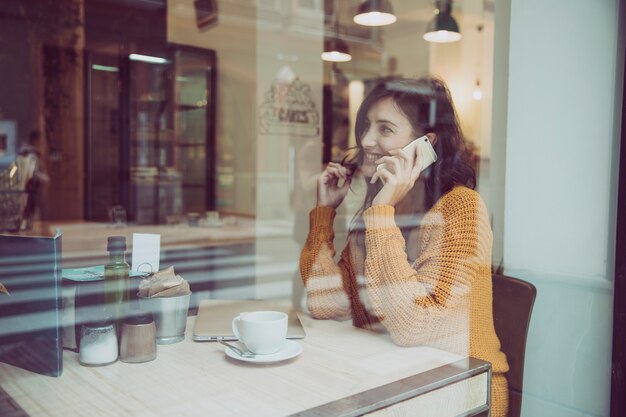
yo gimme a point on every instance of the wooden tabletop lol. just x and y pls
(341, 370)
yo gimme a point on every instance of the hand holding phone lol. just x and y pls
(426, 151)
(393, 192)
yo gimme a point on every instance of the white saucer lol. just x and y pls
(289, 350)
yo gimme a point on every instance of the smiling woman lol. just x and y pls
(418, 254)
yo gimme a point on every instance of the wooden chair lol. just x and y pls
(513, 301)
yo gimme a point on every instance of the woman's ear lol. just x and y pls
(432, 138)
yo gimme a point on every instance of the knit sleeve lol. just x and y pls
(325, 281)
(428, 301)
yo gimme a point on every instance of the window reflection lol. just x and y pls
(213, 134)
(210, 134)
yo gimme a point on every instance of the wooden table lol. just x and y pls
(342, 371)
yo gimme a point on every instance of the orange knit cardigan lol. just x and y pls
(442, 299)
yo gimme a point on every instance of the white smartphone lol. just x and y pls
(427, 152)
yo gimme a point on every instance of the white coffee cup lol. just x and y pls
(263, 332)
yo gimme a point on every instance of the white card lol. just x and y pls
(146, 252)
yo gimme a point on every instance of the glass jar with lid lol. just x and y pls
(98, 343)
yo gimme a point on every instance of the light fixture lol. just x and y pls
(107, 68)
(442, 28)
(375, 13)
(148, 58)
(335, 49)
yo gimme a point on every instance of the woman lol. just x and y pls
(417, 263)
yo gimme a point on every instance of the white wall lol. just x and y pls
(560, 195)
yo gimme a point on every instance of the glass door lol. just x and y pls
(194, 126)
(155, 181)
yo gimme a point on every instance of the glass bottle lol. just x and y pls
(116, 279)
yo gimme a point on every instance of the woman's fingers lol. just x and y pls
(402, 161)
(387, 162)
(417, 169)
(335, 172)
(417, 164)
(399, 171)
(400, 167)
(375, 177)
(393, 164)
(383, 174)
(338, 170)
(330, 175)
(333, 185)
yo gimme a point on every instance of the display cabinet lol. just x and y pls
(154, 140)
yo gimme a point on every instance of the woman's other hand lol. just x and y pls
(333, 185)
(398, 173)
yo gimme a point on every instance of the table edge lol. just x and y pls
(404, 389)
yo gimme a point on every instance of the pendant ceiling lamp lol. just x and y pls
(335, 49)
(375, 13)
(442, 28)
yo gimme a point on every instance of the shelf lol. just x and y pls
(144, 104)
(150, 134)
(135, 142)
(189, 107)
(150, 98)
(190, 144)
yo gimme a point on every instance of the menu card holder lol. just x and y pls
(30, 317)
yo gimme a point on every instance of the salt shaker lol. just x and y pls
(98, 343)
(138, 340)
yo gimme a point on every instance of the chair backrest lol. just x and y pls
(513, 301)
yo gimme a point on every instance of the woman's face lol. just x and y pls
(386, 129)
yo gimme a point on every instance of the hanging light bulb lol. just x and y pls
(375, 13)
(336, 50)
(443, 27)
(477, 93)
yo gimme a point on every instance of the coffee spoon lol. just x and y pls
(242, 353)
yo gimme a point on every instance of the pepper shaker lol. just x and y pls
(138, 340)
